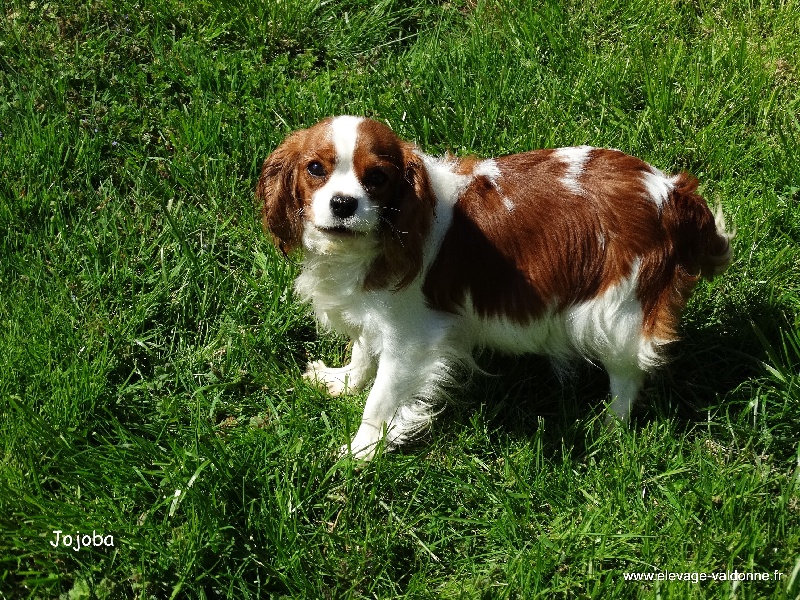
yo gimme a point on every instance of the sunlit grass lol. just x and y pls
(151, 347)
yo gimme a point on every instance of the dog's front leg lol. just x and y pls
(402, 374)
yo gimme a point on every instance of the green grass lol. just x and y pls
(150, 342)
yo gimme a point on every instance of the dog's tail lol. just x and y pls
(698, 244)
(704, 242)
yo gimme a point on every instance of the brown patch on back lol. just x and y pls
(464, 165)
(556, 247)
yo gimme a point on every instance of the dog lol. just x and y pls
(421, 261)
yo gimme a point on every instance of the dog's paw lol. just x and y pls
(362, 447)
(363, 454)
(314, 371)
(333, 380)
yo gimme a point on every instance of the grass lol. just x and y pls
(150, 345)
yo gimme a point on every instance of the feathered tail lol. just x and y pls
(703, 238)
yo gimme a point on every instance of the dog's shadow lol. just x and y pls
(705, 367)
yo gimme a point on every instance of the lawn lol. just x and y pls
(151, 405)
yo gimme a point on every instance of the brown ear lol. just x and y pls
(406, 223)
(281, 207)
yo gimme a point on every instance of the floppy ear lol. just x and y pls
(406, 223)
(281, 207)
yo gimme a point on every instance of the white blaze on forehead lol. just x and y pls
(343, 181)
(575, 159)
(658, 186)
(344, 134)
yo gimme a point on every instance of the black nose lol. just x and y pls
(343, 206)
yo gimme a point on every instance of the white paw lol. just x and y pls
(363, 454)
(364, 445)
(334, 380)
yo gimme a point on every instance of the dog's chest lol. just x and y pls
(337, 297)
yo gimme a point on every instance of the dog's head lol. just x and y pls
(349, 177)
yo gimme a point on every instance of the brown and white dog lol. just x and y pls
(421, 260)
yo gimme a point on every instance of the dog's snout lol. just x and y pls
(343, 206)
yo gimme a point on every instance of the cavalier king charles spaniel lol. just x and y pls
(421, 261)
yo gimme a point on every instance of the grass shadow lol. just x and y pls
(706, 367)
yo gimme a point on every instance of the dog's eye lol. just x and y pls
(375, 178)
(316, 169)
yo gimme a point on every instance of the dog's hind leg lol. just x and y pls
(625, 383)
